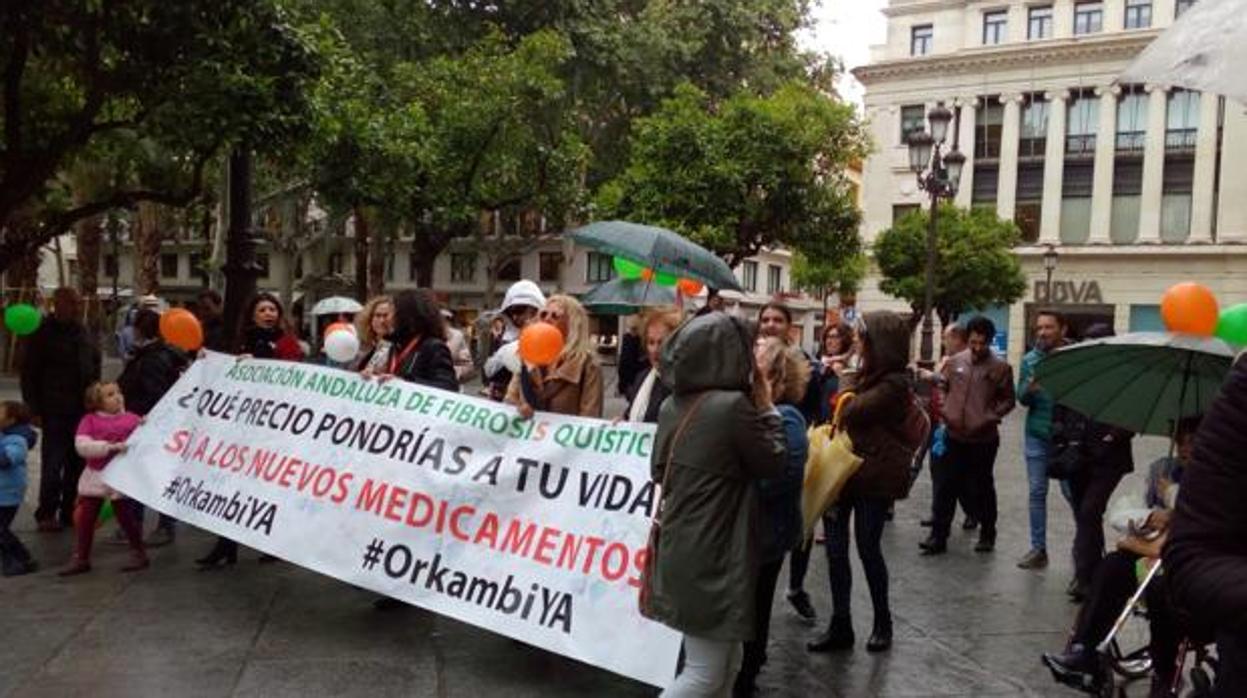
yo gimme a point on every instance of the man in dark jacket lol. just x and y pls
(209, 308)
(61, 361)
(1206, 553)
(979, 394)
(152, 370)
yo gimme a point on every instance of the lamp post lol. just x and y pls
(1050, 256)
(938, 175)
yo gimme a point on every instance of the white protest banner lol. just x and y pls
(533, 529)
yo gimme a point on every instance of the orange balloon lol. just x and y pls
(647, 274)
(689, 287)
(1189, 308)
(334, 327)
(540, 344)
(181, 328)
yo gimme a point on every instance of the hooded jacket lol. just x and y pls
(875, 416)
(152, 369)
(15, 443)
(708, 555)
(61, 361)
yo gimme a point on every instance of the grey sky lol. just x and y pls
(847, 28)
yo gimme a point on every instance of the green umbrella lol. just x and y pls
(1143, 382)
(624, 297)
(658, 248)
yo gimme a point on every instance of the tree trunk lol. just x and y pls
(147, 235)
(88, 238)
(361, 255)
(378, 236)
(241, 270)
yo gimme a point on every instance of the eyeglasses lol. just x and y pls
(552, 315)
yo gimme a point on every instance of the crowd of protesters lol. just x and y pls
(730, 455)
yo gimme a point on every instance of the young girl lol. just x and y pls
(16, 440)
(101, 435)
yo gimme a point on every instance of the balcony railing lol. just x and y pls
(1083, 144)
(1181, 139)
(1131, 141)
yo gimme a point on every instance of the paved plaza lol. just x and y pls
(967, 624)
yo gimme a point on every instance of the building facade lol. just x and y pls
(1136, 187)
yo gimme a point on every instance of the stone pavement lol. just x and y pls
(966, 625)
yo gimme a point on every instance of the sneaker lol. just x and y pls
(1034, 560)
(801, 604)
(160, 537)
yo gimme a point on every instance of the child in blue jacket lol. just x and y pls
(16, 439)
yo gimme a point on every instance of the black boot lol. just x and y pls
(839, 636)
(987, 541)
(881, 637)
(1076, 667)
(225, 552)
(933, 546)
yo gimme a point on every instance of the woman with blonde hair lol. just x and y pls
(573, 383)
(647, 391)
(373, 324)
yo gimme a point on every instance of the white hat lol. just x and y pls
(523, 292)
(149, 301)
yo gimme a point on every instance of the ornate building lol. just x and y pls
(1134, 187)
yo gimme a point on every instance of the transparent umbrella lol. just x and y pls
(1204, 50)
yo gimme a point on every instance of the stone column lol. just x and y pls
(1153, 164)
(1007, 189)
(965, 143)
(1205, 170)
(1105, 160)
(1063, 19)
(1054, 168)
(1115, 15)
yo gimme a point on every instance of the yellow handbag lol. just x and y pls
(828, 467)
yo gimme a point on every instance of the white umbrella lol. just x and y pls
(1203, 50)
(335, 305)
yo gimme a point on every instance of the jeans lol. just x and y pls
(968, 476)
(59, 470)
(1036, 451)
(708, 669)
(869, 516)
(764, 598)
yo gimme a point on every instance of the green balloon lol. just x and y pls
(628, 269)
(665, 279)
(1232, 325)
(22, 319)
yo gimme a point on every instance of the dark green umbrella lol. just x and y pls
(625, 297)
(658, 248)
(1143, 382)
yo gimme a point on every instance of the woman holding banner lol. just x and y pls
(717, 434)
(573, 383)
(373, 324)
(418, 350)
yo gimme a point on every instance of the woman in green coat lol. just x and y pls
(717, 434)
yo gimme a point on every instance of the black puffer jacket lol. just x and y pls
(61, 361)
(149, 374)
(1206, 554)
(428, 364)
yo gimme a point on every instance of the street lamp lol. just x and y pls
(938, 175)
(1050, 256)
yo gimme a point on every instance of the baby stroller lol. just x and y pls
(1119, 666)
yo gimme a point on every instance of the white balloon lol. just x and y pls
(341, 345)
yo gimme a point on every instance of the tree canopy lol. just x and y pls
(975, 264)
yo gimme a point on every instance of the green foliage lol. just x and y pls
(975, 264)
(813, 273)
(748, 173)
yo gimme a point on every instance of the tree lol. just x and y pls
(816, 274)
(749, 173)
(975, 264)
(133, 82)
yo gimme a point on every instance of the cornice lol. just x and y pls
(1019, 55)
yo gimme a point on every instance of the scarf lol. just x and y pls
(640, 403)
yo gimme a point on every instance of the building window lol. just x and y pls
(1127, 195)
(994, 26)
(510, 270)
(413, 265)
(1034, 135)
(1175, 199)
(1132, 120)
(462, 267)
(773, 279)
(298, 266)
(986, 184)
(198, 266)
(601, 268)
(1138, 14)
(988, 128)
(262, 261)
(899, 211)
(1076, 184)
(1182, 6)
(168, 266)
(921, 39)
(549, 264)
(1088, 17)
(389, 267)
(110, 266)
(1039, 22)
(336, 264)
(913, 120)
(749, 276)
(1029, 199)
(1182, 120)
(1082, 121)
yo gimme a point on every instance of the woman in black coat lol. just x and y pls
(418, 351)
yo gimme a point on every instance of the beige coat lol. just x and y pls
(570, 386)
